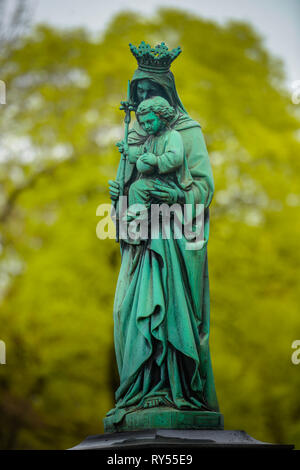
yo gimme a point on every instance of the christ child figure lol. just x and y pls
(161, 157)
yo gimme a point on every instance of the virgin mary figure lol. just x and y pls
(162, 306)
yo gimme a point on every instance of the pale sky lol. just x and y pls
(277, 20)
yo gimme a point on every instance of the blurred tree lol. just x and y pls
(15, 20)
(57, 280)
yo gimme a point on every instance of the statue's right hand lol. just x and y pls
(123, 147)
(114, 190)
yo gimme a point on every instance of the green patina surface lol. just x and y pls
(162, 307)
(165, 418)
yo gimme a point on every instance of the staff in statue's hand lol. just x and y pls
(117, 187)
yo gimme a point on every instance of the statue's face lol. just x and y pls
(147, 89)
(150, 123)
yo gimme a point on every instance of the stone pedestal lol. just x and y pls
(175, 439)
(165, 418)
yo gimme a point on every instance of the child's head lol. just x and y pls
(154, 114)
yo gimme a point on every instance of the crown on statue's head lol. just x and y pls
(157, 59)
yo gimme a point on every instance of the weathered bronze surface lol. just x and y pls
(162, 307)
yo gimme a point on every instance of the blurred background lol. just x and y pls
(65, 66)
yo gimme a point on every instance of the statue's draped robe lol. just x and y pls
(161, 310)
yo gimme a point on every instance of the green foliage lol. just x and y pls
(57, 279)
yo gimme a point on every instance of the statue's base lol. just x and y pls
(164, 418)
(176, 439)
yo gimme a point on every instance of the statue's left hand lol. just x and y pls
(148, 158)
(166, 194)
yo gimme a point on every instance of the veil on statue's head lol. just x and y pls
(154, 64)
(165, 80)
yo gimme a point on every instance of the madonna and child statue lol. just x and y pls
(160, 206)
(161, 198)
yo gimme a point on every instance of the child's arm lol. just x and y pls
(134, 152)
(131, 151)
(146, 163)
(172, 158)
